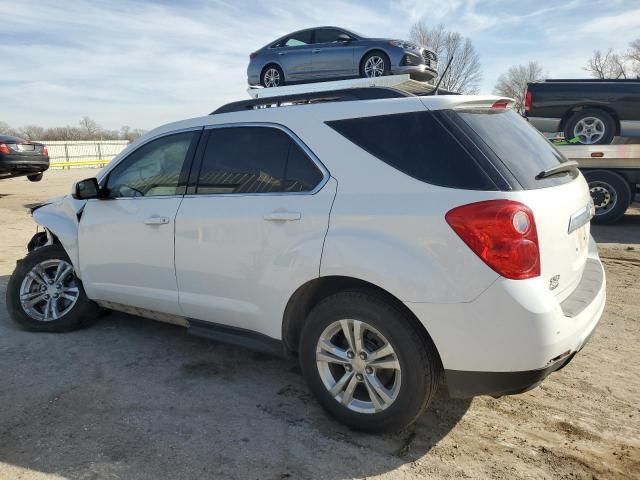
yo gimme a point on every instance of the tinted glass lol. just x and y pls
(521, 148)
(419, 145)
(302, 174)
(244, 160)
(327, 35)
(153, 169)
(297, 40)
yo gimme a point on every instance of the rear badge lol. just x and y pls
(554, 282)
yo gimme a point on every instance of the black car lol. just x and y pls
(590, 111)
(19, 157)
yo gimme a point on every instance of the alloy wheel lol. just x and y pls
(589, 130)
(49, 290)
(358, 366)
(374, 67)
(272, 78)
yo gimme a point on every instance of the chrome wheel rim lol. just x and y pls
(589, 130)
(49, 290)
(271, 78)
(358, 366)
(374, 67)
(604, 196)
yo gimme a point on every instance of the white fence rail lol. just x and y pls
(82, 154)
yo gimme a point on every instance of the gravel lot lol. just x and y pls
(133, 399)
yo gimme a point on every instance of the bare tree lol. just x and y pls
(606, 65)
(633, 56)
(464, 74)
(31, 132)
(90, 127)
(513, 83)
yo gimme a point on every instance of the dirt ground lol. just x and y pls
(133, 399)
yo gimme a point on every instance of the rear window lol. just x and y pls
(417, 144)
(523, 150)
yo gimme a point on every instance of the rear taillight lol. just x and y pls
(528, 98)
(502, 233)
(253, 55)
(45, 151)
(4, 148)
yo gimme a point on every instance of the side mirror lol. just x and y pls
(86, 189)
(344, 38)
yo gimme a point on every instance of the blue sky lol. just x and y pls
(144, 63)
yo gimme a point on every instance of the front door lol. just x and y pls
(127, 239)
(252, 232)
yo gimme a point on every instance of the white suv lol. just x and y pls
(387, 240)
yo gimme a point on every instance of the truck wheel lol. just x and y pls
(366, 363)
(35, 178)
(591, 127)
(44, 294)
(610, 193)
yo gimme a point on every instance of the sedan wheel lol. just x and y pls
(272, 77)
(374, 66)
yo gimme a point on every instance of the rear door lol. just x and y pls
(294, 55)
(251, 230)
(331, 57)
(560, 203)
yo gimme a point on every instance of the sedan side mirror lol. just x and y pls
(86, 189)
(344, 38)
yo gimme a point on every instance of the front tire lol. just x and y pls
(272, 76)
(591, 127)
(375, 64)
(44, 294)
(366, 362)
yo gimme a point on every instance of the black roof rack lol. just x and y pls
(344, 95)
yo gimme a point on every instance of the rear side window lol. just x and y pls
(255, 160)
(417, 144)
(523, 150)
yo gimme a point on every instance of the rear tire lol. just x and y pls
(375, 64)
(591, 126)
(45, 277)
(35, 178)
(408, 374)
(272, 76)
(611, 195)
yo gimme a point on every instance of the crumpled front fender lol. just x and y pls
(60, 216)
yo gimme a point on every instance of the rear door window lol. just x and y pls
(255, 160)
(296, 40)
(418, 144)
(523, 150)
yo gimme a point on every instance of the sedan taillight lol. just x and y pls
(502, 233)
(4, 148)
(45, 151)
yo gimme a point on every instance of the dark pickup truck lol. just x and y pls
(591, 111)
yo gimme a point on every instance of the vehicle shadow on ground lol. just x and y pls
(132, 398)
(626, 230)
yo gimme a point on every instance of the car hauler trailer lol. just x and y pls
(613, 173)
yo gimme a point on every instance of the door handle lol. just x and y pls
(316, 50)
(282, 53)
(283, 216)
(156, 221)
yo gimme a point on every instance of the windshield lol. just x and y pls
(523, 150)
